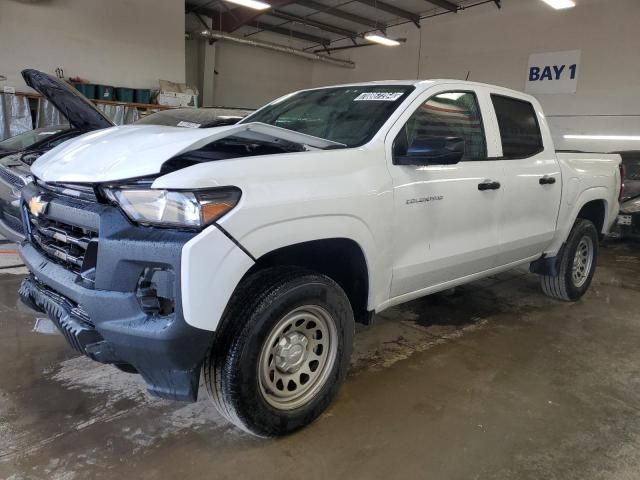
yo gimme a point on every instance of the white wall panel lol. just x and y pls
(130, 43)
(493, 46)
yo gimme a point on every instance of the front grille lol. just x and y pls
(63, 243)
(75, 246)
(12, 222)
(83, 192)
(11, 178)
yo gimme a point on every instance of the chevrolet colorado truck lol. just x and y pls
(247, 252)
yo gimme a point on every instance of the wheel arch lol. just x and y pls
(341, 259)
(596, 212)
(372, 242)
(592, 204)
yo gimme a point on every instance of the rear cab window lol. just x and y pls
(519, 127)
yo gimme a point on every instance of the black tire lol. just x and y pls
(563, 286)
(232, 368)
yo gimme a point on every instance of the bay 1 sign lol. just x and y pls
(553, 72)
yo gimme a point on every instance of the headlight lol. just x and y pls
(168, 208)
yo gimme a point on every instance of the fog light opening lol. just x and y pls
(155, 292)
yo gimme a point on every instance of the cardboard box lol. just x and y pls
(177, 95)
(176, 99)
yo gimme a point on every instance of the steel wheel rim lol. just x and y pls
(582, 261)
(297, 357)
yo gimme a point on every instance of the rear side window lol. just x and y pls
(519, 127)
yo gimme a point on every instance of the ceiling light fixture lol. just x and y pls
(560, 4)
(615, 138)
(255, 4)
(381, 39)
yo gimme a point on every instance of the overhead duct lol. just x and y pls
(216, 35)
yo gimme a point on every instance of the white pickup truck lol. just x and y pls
(247, 252)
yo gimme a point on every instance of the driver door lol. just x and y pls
(446, 212)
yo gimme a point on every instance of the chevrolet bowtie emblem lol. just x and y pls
(37, 206)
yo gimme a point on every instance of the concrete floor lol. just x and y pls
(493, 382)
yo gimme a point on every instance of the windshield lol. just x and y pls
(349, 115)
(26, 139)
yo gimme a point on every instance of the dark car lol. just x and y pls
(629, 217)
(25, 140)
(18, 153)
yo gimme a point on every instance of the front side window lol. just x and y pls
(519, 127)
(448, 115)
(349, 115)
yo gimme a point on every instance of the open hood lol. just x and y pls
(134, 151)
(81, 113)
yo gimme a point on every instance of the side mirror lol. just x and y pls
(432, 151)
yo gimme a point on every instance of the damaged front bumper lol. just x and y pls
(123, 308)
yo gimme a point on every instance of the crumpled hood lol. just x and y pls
(134, 151)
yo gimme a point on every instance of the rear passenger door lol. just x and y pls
(532, 181)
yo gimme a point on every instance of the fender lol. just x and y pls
(207, 258)
(569, 214)
(213, 255)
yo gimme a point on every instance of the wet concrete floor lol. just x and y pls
(494, 381)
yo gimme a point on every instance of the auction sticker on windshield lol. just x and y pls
(186, 124)
(378, 96)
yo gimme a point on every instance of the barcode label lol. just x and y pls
(186, 124)
(378, 97)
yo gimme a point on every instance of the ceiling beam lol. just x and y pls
(289, 33)
(393, 10)
(446, 4)
(202, 21)
(233, 19)
(345, 47)
(312, 23)
(320, 7)
(190, 7)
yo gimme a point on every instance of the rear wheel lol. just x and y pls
(577, 264)
(282, 351)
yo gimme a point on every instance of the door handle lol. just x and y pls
(488, 185)
(547, 180)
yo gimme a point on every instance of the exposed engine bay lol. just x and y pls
(228, 148)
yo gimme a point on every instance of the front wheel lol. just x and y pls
(577, 264)
(282, 352)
